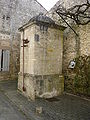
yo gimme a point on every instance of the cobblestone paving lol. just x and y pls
(65, 107)
(8, 111)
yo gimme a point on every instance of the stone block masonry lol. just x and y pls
(46, 86)
(41, 64)
(14, 14)
(73, 46)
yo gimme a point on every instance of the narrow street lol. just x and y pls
(8, 111)
(14, 106)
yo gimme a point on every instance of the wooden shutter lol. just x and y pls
(4, 60)
(8, 59)
(0, 58)
(6, 55)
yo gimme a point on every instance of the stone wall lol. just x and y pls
(43, 53)
(47, 52)
(85, 39)
(76, 45)
(70, 49)
(14, 14)
(73, 46)
(42, 62)
(24, 10)
(64, 4)
(5, 44)
(43, 86)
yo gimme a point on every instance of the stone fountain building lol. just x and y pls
(41, 58)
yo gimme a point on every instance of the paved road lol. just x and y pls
(8, 111)
(64, 107)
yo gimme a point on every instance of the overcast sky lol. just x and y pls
(47, 3)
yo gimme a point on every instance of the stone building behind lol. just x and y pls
(73, 45)
(70, 39)
(13, 14)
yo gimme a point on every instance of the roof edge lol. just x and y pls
(61, 27)
(41, 5)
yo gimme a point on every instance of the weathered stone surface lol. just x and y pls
(76, 45)
(46, 86)
(8, 110)
(42, 60)
(64, 4)
(13, 14)
(73, 46)
(42, 57)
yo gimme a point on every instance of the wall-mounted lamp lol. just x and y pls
(72, 64)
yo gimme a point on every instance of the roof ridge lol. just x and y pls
(43, 18)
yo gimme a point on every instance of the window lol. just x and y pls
(4, 60)
(3, 17)
(43, 28)
(7, 18)
(37, 37)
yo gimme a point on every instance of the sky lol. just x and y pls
(48, 4)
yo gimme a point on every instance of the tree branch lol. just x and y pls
(78, 13)
(67, 24)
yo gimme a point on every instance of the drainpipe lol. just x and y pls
(24, 89)
(25, 44)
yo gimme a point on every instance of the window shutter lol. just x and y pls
(4, 60)
(0, 58)
(6, 54)
(8, 58)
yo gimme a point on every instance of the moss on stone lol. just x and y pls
(80, 83)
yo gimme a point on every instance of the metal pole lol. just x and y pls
(23, 63)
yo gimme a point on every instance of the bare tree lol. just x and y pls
(80, 14)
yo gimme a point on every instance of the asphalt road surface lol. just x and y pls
(8, 111)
